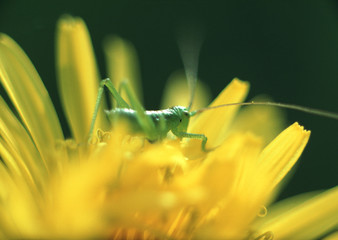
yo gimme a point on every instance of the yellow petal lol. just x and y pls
(177, 93)
(23, 159)
(231, 179)
(332, 236)
(236, 158)
(78, 76)
(309, 219)
(122, 64)
(29, 96)
(214, 123)
(282, 153)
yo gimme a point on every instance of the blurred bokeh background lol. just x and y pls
(287, 49)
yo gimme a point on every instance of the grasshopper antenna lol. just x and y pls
(312, 111)
(189, 44)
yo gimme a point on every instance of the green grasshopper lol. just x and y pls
(155, 125)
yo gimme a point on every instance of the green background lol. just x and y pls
(287, 49)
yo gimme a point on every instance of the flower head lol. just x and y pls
(121, 186)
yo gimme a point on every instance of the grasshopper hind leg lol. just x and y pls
(121, 103)
(144, 120)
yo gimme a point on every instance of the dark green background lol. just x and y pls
(287, 49)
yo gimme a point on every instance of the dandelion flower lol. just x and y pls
(121, 186)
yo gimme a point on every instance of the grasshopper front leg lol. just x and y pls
(202, 137)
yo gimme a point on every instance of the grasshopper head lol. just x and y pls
(183, 118)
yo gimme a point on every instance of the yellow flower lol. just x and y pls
(123, 187)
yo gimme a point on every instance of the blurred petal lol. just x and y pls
(78, 76)
(309, 219)
(18, 151)
(18, 205)
(122, 64)
(237, 154)
(332, 236)
(177, 93)
(29, 96)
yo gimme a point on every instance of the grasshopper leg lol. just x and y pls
(121, 103)
(202, 137)
(145, 121)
